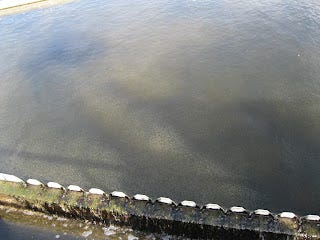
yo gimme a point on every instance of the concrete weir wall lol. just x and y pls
(6, 4)
(10, 7)
(160, 216)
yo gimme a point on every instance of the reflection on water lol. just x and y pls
(213, 101)
(10, 231)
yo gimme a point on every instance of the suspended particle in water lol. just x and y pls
(86, 233)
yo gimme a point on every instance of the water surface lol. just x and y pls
(212, 101)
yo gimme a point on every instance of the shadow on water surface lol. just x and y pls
(263, 149)
(56, 158)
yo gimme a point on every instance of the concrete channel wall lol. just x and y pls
(10, 7)
(160, 216)
(6, 4)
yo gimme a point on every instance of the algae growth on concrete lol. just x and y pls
(26, 224)
(163, 216)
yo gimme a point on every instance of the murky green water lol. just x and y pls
(11, 231)
(212, 101)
